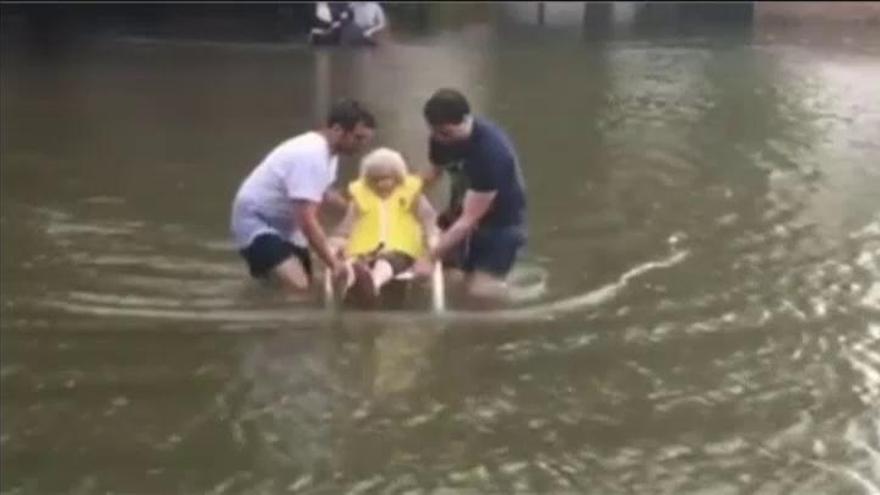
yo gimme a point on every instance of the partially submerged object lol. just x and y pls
(361, 294)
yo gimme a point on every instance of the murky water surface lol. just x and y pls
(705, 214)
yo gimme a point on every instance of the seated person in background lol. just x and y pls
(387, 227)
(330, 21)
(369, 19)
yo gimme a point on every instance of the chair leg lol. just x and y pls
(328, 289)
(438, 289)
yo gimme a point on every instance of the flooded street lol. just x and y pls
(704, 216)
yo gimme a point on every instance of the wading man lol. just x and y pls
(484, 227)
(275, 212)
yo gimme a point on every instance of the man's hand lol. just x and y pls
(335, 199)
(338, 268)
(476, 205)
(423, 267)
(337, 246)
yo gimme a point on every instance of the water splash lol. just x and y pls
(539, 312)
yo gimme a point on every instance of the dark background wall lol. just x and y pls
(252, 20)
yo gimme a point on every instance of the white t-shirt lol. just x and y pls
(368, 15)
(300, 168)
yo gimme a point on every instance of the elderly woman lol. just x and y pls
(387, 226)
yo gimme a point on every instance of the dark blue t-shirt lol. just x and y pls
(486, 162)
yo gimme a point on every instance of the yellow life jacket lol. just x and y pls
(389, 223)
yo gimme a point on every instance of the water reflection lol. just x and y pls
(317, 409)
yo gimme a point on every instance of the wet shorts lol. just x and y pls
(489, 249)
(267, 251)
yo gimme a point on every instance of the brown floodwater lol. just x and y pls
(698, 309)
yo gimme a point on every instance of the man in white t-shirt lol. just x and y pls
(369, 19)
(275, 212)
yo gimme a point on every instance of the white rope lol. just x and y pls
(383, 223)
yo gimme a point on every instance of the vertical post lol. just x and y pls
(423, 15)
(597, 19)
(328, 289)
(586, 18)
(541, 8)
(322, 84)
(438, 290)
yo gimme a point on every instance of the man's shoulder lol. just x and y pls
(308, 141)
(490, 131)
(491, 140)
(309, 146)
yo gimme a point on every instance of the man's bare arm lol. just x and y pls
(427, 217)
(475, 206)
(430, 176)
(380, 24)
(343, 230)
(305, 213)
(336, 199)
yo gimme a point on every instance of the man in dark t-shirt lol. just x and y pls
(484, 225)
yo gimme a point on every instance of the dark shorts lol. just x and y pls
(267, 251)
(489, 249)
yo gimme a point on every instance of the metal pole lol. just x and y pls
(438, 290)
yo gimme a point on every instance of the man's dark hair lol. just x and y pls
(446, 106)
(347, 113)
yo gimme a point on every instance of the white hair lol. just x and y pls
(383, 159)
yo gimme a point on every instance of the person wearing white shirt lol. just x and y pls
(275, 211)
(331, 21)
(370, 18)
